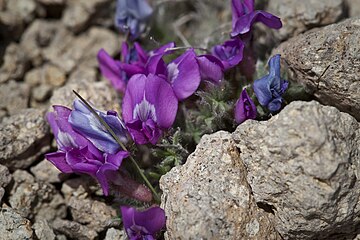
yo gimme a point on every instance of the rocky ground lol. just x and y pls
(292, 177)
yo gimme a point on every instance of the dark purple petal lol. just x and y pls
(184, 74)
(144, 132)
(160, 94)
(247, 66)
(274, 65)
(103, 177)
(275, 104)
(141, 53)
(116, 159)
(156, 65)
(111, 70)
(230, 52)
(245, 108)
(164, 49)
(211, 68)
(244, 23)
(125, 52)
(240, 8)
(151, 220)
(58, 160)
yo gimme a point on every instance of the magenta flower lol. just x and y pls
(143, 225)
(183, 73)
(76, 154)
(244, 16)
(245, 108)
(211, 68)
(133, 61)
(270, 88)
(149, 107)
(230, 52)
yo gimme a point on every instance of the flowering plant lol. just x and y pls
(171, 96)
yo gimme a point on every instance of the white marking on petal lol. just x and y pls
(65, 140)
(144, 111)
(173, 71)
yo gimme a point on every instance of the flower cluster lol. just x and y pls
(162, 90)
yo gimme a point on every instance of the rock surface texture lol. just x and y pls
(304, 165)
(208, 197)
(13, 226)
(299, 16)
(327, 62)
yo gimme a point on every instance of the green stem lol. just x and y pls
(112, 133)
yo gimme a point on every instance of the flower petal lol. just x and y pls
(245, 108)
(244, 23)
(262, 90)
(211, 68)
(159, 93)
(59, 161)
(184, 74)
(240, 8)
(103, 177)
(111, 70)
(116, 159)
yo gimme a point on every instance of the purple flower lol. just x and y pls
(244, 108)
(183, 73)
(131, 16)
(76, 154)
(230, 53)
(133, 61)
(143, 225)
(83, 121)
(211, 68)
(149, 107)
(244, 16)
(271, 87)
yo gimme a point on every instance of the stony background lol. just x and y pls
(292, 177)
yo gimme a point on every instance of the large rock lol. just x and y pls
(353, 7)
(74, 230)
(81, 13)
(300, 16)
(5, 176)
(24, 137)
(31, 198)
(14, 96)
(13, 226)
(43, 230)
(304, 164)
(208, 197)
(71, 52)
(100, 94)
(327, 63)
(94, 214)
(15, 63)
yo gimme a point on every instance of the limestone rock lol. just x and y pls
(94, 214)
(14, 96)
(327, 63)
(23, 138)
(13, 226)
(15, 63)
(113, 233)
(303, 164)
(81, 13)
(43, 230)
(100, 94)
(74, 230)
(46, 172)
(5, 176)
(83, 74)
(2, 193)
(300, 16)
(39, 35)
(353, 7)
(82, 50)
(208, 197)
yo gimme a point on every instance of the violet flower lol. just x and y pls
(245, 108)
(244, 16)
(133, 61)
(131, 16)
(143, 225)
(230, 52)
(76, 154)
(83, 121)
(149, 107)
(271, 87)
(183, 73)
(211, 68)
